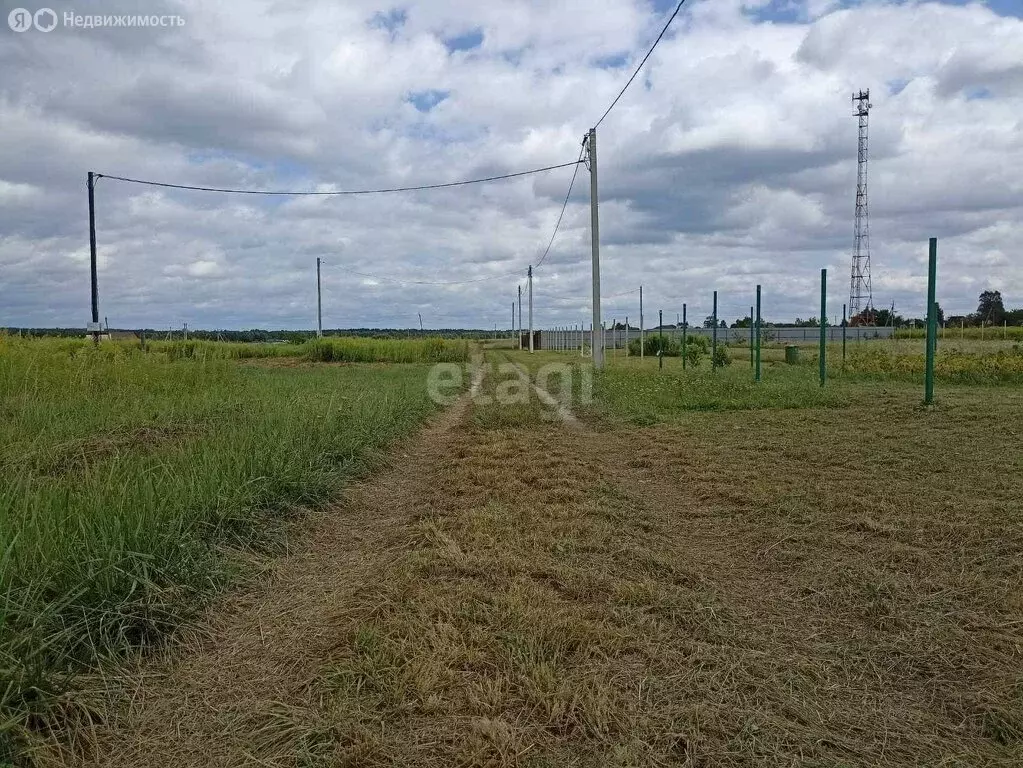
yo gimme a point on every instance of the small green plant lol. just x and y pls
(721, 358)
(693, 355)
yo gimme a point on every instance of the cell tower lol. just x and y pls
(860, 293)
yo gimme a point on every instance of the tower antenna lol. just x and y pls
(861, 296)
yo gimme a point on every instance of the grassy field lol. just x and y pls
(964, 362)
(693, 570)
(950, 333)
(126, 477)
(772, 576)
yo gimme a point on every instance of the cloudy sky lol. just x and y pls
(730, 161)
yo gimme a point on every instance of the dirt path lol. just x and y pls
(591, 595)
(241, 689)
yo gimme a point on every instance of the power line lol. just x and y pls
(302, 193)
(546, 252)
(563, 207)
(629, 81)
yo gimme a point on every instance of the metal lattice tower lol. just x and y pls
(860, 292)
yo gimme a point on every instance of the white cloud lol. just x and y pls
(730, 162)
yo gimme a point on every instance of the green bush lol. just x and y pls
(721, 357)
(701, 343)
(672, 345)
(653, 344)
(693, 355)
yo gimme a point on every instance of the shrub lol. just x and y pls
(692, 354)
(672, 345)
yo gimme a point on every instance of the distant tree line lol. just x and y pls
(991, 311)
(260, 335)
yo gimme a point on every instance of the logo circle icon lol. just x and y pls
(45, 19)
(20, 20)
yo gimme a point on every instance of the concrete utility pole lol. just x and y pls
(641, 322)
(529, 275)
(512, 326)
(91, 181)
(822, 359)
(660, 337)
(591, 147)
(319, 302)
(420, 322)
(520, 316)
(714, 337)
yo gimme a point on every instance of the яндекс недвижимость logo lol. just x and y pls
(22, 19)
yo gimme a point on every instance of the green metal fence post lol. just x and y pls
(685, 325)
(824, 325)
(660, 338)
(714, 335)
(751, 324)
(845, 324)
(757, 374)
(932, 321)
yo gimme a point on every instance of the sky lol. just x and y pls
(730, 162)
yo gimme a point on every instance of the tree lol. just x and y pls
(940, 313)
(746, 322)
(885, 317)
(708, 321)
(990, 308)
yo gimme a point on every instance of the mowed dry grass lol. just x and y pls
(821, 587)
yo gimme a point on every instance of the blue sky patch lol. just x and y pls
(1001, 7)
(793, 11)
(897, 86)
(613, 61)
(779, 12)
(465, 41)
(424, 101)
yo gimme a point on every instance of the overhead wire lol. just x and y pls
(561, 215)
(641, 63)
(547, 250)
(335, 193)
(423, 187)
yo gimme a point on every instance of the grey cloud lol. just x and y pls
(735, 165)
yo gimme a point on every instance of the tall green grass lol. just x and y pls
(338, 349)
(1003, 366)
(362, 350)
(993, 332)
(642, 394)
(124, 476)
